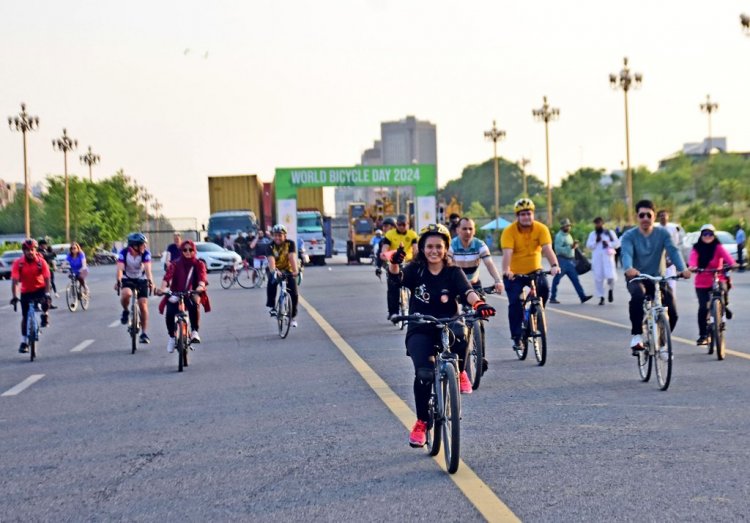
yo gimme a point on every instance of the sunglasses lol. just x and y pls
(645, 215)
(188, 250)
(524, 213)
(707, 233)
(400, 223)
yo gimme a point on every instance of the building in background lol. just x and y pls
(7, 193)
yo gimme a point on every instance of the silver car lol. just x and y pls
(216, 258)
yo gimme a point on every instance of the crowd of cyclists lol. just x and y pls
(439, 266)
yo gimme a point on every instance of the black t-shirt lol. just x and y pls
(434, 295)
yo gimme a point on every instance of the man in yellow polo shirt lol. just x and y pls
(523, 244)
(400, 236)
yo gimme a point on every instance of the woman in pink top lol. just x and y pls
(708, 253)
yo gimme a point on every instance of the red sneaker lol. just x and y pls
(418, 436)
(464, 385)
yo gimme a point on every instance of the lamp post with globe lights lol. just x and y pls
(90, 159)
(708, 108)
(626, 81)
(547, 114)
(496, 135)
(65, 144)
(25, 123)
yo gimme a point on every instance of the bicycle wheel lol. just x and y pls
(180, 345)
(246, 278)
(284, 313)
(71, 297)
(663, 352)
(84, 299)
(227, 278)
(717, 333)
(403, 305)
(32, 330)
(435, 424)
(133, 323)
(452, 418)
(522, 350)
(475, 355)
(539, 326)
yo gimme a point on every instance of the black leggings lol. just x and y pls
(173, 309)
(638, 290)
(27, 301)
(704, 298)
(422, 347)
(291, 286)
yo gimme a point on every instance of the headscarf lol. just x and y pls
(187, 263)
(705, 251)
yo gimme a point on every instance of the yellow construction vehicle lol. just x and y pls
(361, 231)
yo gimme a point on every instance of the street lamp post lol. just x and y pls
(522, 163)
(626, 81)
(496, 135)
(24, 123)
(547, 114)
(709, 107)
(65, 143)
(90, 159)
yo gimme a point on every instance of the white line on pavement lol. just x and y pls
(25, 384)
(114, 324)
(5, 307)
(82, 345)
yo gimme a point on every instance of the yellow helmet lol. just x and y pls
(435, 229)
(524, 204)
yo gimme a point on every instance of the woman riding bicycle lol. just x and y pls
(436, 286)
(709, 253)
(78, 267)
(187, 273)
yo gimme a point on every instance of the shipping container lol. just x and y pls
(234, 193)
(310, 198)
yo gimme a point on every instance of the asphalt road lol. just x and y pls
(264, 429)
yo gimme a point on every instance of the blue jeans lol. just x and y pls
(567, 268)
(514, 289)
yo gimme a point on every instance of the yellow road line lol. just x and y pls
(476, 490)
(623, 326)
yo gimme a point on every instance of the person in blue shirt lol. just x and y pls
(740, 238)
(78, 267)
(643, 250)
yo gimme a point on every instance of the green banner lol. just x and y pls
(421, 176)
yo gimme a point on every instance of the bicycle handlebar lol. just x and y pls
(712, 271)
(660, 279)
(427, 319)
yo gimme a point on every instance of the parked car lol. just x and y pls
(8, 257)
(61, 251)
(104, 257)
(216, 258)
(725, 238)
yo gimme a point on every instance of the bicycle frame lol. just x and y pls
(716, 307)
(32, 328)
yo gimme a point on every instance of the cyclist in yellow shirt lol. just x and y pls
(404, 237)
(523, 244)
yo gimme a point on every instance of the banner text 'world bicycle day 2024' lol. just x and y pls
(355, 176)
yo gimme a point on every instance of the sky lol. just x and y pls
(173, 92)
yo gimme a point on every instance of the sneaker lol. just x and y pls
(636, 344)
(601, 300)
(272, 312)
(24, 348)
(57, 295)
(195, 337)
(125, 316)
(45, 320)
(418, 436)
(553, 300)
(464, 385)
(517, 345)
(144, 338)
(170, 345)
(392, 318)
(51, 306)
(586, 298)
(485, 365)
(728, 313)
(610, 296)
(294, 323)
(703, 340)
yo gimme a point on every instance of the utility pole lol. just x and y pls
(546, 114)
(65, 143)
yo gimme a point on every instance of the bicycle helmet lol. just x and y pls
(434, 229)
(389, 221)
(524, 204)
(135, 239)
(378, 233)
(708, 227)
(28, 244)
(278, 228)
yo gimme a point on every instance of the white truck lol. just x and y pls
(310, 230)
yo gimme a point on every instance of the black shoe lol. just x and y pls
(52, 306)
(125, 316)
(45, 320)
(703, 340)
(728, 313)
(586, 298)
(392, 318)
(601, 300)
(485, 365)
(553, 300)
(610, 296)
(517, 345)
(24, 348)
(272, 312)
(144, 338)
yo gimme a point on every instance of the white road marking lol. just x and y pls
(5, 307)
(114, 324)
(82, 345)
(25, 384)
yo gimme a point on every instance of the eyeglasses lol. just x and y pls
(645, 215)
(187, 250)
(707, 233)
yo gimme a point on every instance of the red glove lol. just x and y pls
(484, 310)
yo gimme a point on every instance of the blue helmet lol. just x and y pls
(135, 239)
